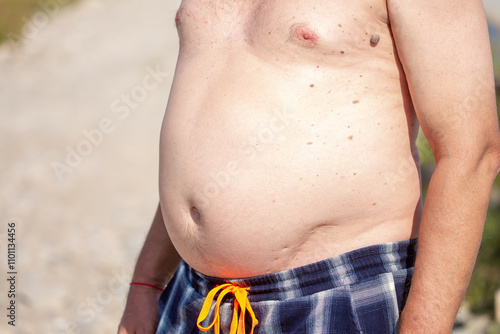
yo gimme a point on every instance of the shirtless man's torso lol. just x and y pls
(289, 176)
(285, 135)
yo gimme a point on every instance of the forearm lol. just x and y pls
(158, 258)
(156, 264)
(450, 235)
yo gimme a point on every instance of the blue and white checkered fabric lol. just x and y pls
(362, 291)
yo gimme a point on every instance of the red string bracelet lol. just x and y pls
(146, 284)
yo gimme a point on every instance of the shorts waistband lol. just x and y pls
(337, 271)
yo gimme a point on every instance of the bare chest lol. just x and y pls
(302, 26)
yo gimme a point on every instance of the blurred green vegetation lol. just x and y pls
(486, 277)
(493, 329)
(14, 14)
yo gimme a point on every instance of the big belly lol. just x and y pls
(258, 180)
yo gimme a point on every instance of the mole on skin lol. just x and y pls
(375, 39)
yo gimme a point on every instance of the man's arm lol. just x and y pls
(444, 48)
(156, 264)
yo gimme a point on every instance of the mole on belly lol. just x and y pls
(375, 39)
(304, 35)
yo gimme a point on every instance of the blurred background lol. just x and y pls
(83, 88)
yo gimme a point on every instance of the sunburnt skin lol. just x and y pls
(289, 135)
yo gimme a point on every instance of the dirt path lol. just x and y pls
(81, 103)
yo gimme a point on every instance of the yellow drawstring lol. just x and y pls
(238, 323)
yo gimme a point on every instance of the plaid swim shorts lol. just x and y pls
(362, 291)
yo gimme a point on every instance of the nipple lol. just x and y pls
(302, 33)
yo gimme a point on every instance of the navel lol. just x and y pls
(195, 215)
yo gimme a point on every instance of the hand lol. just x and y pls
(141, 311)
